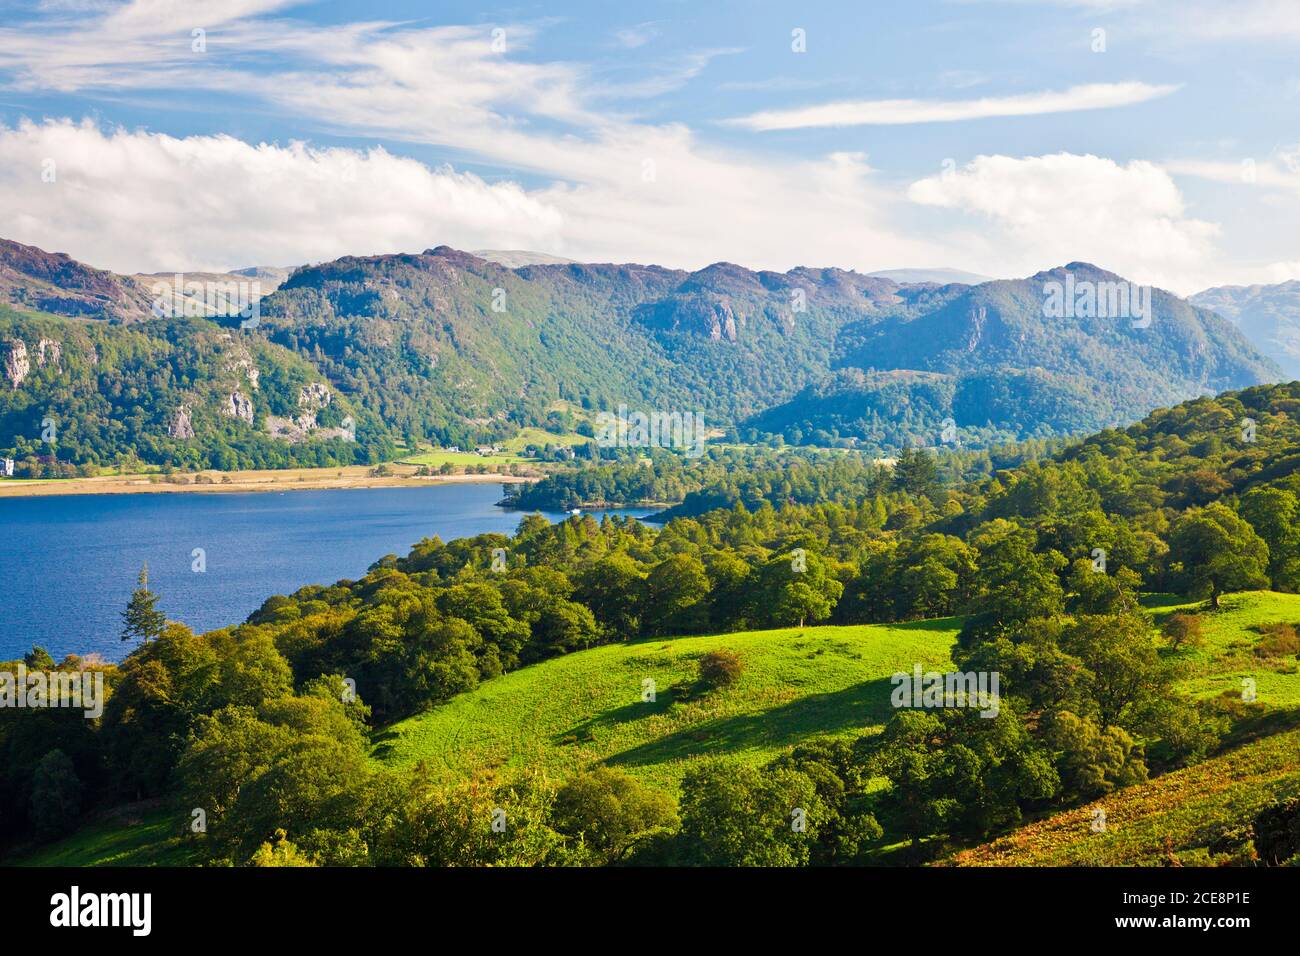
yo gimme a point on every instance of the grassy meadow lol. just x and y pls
(567, 713)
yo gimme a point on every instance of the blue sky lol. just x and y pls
(1156, 138)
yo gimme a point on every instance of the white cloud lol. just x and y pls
(144, 202)
(135, 201)
(1282, 272)
(1048, 210)
(895, 112)
(601, 185)
(632, 37)
(1279, 171)
(615, 188)
(1219, 20)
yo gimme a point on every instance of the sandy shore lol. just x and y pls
(287, 479)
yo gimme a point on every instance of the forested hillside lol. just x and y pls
(178, 392)
(448, 348)
(1268, 315)
(1044, 574)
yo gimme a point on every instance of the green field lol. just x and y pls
(463, 459)
(568, 713)
(149, 839)
(540, 437)
(512, 450)
(1228, 654)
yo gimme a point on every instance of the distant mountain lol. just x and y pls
(83, 349)
(31, 278)
(939, 276)
(1009, 370)
(1268, 315)
(452, 340)
(453, 347)
(271, 277)
(518, 258)
(260, 282)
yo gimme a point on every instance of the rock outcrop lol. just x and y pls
(238, 405)
(181, 424)
(16, 363)
(48, 351)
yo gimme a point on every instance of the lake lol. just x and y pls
(68, 564)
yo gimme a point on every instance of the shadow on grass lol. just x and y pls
(932, 624)
(860, 706)
(382, 743)
(637, 710)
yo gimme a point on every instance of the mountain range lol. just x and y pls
(456, 348)
(1268, 315)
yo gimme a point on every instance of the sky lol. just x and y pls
(1155, 138)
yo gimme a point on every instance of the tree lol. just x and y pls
(482, 607)
(56, 795)
(610, 811)
(736, 815)
(676, 593)
(1120, 655)
(142, 619)
(785, 596)
(1090, 759)
(611, 588)
(38, 659)
(956, 772)
(916, 473)
(1277, 832)
(282, 852)
(1096, 592)
(846, 825)
(564, 626)
(1183, 630)
(1019, 584)
(1214, 550)
(931, 576)
(1274, 513)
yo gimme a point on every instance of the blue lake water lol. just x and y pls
(68, 564)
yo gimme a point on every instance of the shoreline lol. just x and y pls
(243, 482)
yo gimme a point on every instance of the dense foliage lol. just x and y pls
(265, 725)
(447, 348)
(112, 395)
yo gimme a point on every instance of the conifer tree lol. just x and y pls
(142, 618)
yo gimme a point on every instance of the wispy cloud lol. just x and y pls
(664, 77)
(897, 112)
(614, 187)
(595, 181)
(632, 37)
(1279, 171)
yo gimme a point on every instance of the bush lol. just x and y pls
(1279, 640)
(1184, 630)
(720, 669)
(1277, 832)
